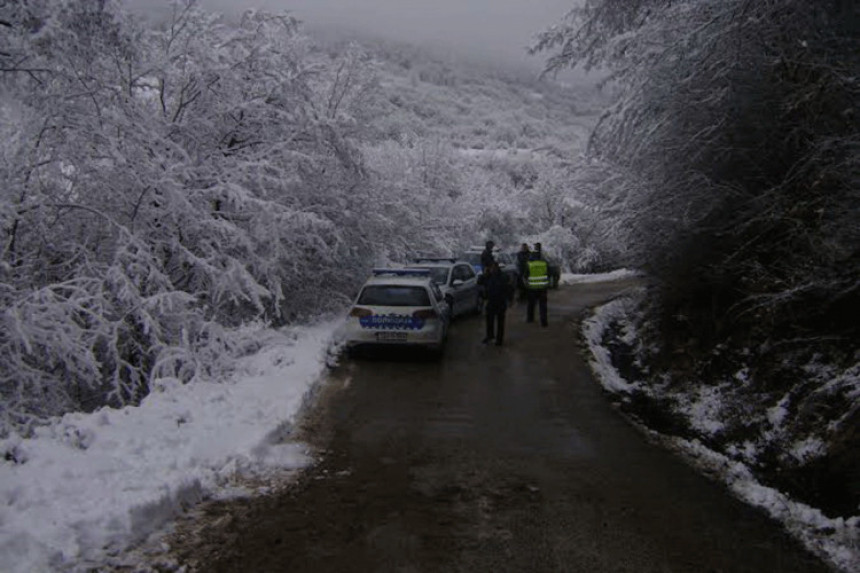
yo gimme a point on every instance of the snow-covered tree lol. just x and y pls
(738, 118)
(735, 141)
(164, 183)
(159, 183)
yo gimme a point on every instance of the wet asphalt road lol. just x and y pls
(492, 459)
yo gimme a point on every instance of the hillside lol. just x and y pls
(171, 180)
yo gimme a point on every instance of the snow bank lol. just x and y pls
(601, 359)
(572, 279)
(89, 485)
(835, 540)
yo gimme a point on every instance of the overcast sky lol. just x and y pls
(497, 29)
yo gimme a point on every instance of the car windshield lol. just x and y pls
(394, 295)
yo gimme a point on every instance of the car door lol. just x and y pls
(467, 289)
(455, 282)
(454, 291)
(471, 288)
(441, 306)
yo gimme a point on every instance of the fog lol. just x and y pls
(495, 30)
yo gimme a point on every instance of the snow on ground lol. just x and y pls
(572, 279)
(835, 540)
(473, 153)
(89, 485)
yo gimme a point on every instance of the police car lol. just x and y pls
(473, 256)
(507, 264)
(457, 280)
(398, 307)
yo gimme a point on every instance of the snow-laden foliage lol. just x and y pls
(739, 120)
(159, 182)
(167, 182)
(734, 144)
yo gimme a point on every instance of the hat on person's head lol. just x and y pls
(490, 243)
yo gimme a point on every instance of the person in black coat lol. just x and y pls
(498, 291)
(523, 256)
(487, 256)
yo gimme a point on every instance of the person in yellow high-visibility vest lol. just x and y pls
(537, 283)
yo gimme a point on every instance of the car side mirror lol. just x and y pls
(456, 283)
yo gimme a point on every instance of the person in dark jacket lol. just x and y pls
(487, 256)
(523, 257)
(498, 290)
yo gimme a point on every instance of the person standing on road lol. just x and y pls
(487, 256)
(499, 290)
(522, 262)
(487, 259)
(537, 283)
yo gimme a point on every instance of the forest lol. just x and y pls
(736, 136)
(165, 183)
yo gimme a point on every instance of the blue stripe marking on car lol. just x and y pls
(391, 322)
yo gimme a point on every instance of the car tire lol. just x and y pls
(479, 304)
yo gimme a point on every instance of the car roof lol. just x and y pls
(399, 276)
(426, 264)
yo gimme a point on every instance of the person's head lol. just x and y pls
(537, 247)
(490, 245)
(525, 247)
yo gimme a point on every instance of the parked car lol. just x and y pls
(401, 307)
(472, 255)
(507, 264)
(456, 279)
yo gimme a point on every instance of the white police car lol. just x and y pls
(472, 255)
(457, 280)
(398, 307)
(507, 263)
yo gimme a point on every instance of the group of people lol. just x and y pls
(532, 284)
